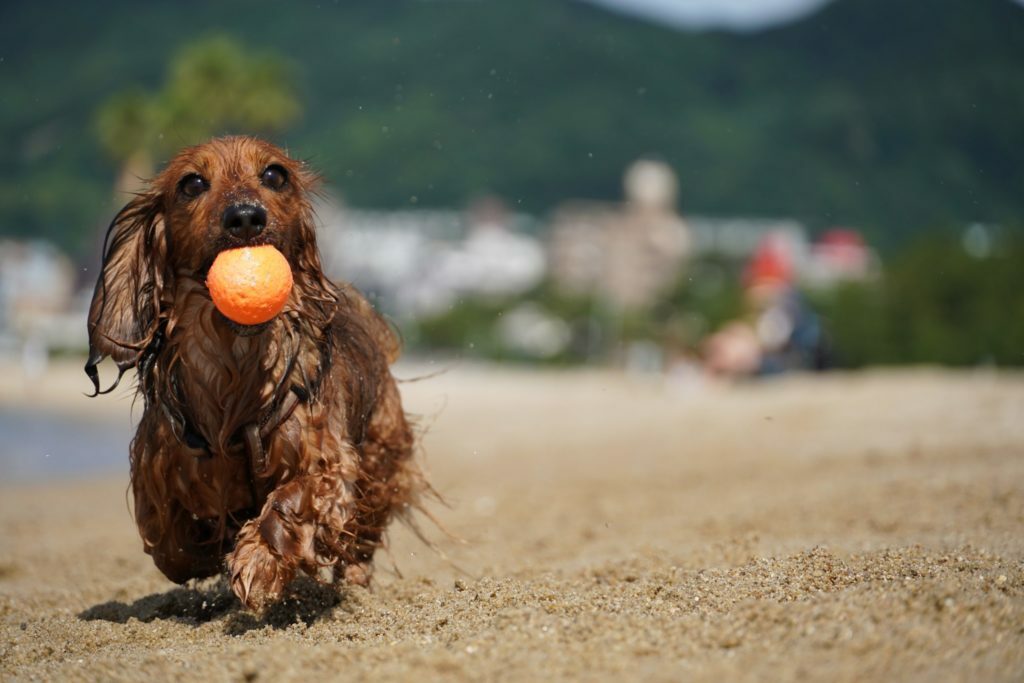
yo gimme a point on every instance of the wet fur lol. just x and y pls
(267, 451)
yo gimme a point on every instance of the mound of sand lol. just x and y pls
(849, 527)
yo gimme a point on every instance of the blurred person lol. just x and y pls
(780, 332)
(733, 351)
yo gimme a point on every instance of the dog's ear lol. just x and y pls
(124, 314)
(318, 295)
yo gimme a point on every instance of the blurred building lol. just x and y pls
(629, 253)
(421, 262)
(36, 302)
(737, 238)
(840, 255)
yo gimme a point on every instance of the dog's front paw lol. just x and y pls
(359, 574)
(258, 577)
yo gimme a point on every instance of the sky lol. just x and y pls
(731, 14)
(734, 14)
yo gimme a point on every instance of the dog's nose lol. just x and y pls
(245, 221)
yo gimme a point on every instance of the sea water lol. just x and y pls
(47, 446)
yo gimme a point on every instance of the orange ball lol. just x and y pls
(250, 285)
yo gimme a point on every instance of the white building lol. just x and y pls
(36, 311)
(421, 262)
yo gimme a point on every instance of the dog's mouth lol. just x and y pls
(226, 243)
(240, 329)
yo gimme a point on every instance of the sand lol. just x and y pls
(848, 527)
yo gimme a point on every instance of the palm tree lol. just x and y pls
(213, 86)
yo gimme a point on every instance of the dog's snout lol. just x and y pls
(245, 221)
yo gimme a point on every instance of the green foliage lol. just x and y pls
(467, 328)
(213, 85)
(706, 296)
(125, 124)
(887, 116)
(935, 304)
(857, 323)
(470, 327)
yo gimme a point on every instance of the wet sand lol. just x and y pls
(850, 527)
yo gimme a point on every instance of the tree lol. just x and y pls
(213, 85)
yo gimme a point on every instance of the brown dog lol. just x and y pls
(282, 446)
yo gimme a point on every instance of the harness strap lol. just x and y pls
(255, 434)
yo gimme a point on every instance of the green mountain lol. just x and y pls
(895, 117)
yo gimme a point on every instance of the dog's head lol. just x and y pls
(227, 193)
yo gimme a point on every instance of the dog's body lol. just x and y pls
(282, 446)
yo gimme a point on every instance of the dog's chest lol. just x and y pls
(225, 382)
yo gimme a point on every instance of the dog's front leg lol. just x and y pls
(300, 518)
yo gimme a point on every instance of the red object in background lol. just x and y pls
(842, 237)
(770, 264)
(844, 250)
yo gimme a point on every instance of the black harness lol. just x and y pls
(254, 435)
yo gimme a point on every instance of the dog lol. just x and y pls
(264, 451)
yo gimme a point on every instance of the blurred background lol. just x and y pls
(689, 190)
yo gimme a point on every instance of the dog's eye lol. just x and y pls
(274, 177)
(193, 185)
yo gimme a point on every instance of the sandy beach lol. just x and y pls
(844, 527)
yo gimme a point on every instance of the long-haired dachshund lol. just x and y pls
(276, 449)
